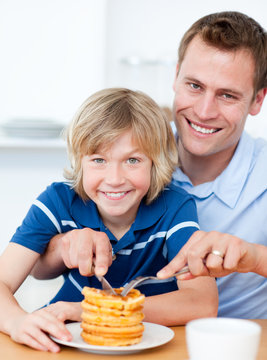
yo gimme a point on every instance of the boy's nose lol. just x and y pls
(115, 174)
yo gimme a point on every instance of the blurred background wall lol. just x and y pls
(54, 53)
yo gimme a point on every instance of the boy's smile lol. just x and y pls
(116, 178)
(113, 195)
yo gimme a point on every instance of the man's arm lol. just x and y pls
(237, 256)
(50, 264)
(88, 250)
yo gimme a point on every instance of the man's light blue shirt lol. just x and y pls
(236, 203)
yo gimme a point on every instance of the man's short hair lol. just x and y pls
(230, 31)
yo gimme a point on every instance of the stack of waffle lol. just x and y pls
(112, 320)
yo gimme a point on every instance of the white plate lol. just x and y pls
(32, 128)
(154, 335)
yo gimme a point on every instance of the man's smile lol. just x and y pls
(203, 130)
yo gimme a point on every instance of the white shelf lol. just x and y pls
(31, 143)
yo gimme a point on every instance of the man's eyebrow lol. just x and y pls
(191, 79)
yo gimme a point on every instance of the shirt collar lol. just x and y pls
(228, 185)
(86, 213)
(147, 215)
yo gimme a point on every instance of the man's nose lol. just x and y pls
(206, 107)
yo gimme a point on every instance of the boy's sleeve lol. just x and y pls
(40, 224)
(184, 224)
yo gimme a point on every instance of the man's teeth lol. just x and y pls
(202, 130)
(115, 195)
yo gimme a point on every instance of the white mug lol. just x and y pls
(222, 339)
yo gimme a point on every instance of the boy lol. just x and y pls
(122, 154)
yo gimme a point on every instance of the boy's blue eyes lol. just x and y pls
(98, 161)
(102, 161)
(133, 161)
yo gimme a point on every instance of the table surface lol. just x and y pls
(175, 349)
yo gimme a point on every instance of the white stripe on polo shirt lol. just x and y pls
(141, 245)
(181, 226)
(69, 222)
(74, 282)
(48, 213)
(160, 234)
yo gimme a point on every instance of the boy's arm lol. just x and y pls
(15, 265)
(80, 248)
(195, 299)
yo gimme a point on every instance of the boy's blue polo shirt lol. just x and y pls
(158, 233)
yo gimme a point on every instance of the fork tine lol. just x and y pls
(135, 282)
(128, 287)
(140, 279)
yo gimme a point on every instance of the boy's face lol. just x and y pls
(117, 179)
(213, 97)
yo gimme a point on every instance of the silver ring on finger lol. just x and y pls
(218, 253)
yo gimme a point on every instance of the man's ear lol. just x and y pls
(255, 107)
(176, 74)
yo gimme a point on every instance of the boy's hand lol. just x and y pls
(65, 310)
(34, 330)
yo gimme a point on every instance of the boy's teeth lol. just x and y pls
(202, 130)
(115, 195)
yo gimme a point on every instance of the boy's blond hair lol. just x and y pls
(106, 115)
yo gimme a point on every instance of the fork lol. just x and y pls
(140, 279)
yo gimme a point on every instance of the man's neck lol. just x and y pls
(201, 169)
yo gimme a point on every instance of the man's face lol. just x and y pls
(213, 97)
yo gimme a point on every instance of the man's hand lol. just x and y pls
(216, 254)
(88, 250)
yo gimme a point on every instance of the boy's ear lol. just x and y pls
(176, 74)
(256, 105)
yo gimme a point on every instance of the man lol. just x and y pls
(221, 78)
